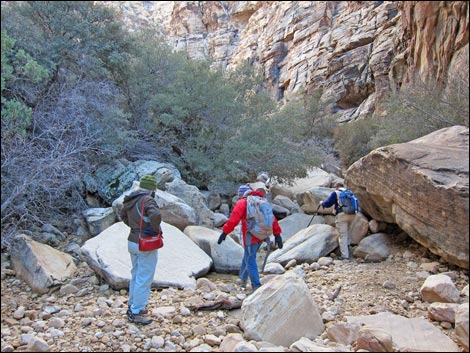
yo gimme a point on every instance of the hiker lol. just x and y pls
(251, 244)
(342, 221)
(143, 262)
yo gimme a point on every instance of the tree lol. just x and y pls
(414, 110)
(152, 69)
(20, 70)
(62, 111)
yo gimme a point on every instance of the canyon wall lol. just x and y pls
(355, 51)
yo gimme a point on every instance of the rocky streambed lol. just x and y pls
(91, 316)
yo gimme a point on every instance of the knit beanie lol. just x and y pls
(243, 189)
(148, 182)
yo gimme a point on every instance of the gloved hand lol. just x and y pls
(221, 238)
(320, 204)
(278, 241)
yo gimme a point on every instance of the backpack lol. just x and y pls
(260, 217)
(348, 201)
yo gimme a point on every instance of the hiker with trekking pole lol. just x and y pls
(346, 206)
(258, 224)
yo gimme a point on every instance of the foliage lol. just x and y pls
(295, 129)
(192, 107)
(67, 33)
(221, 124)
(247, 82)
(414, 111)
(151, 69)
(420, 109)
(62, 111)
(353, 140)
(19, 69)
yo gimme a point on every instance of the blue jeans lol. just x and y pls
(143, 270)
(249, 267)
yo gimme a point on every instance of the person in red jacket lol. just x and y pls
(249, 266)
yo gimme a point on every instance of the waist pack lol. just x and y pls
(151, 243)
(260, 217)
(149, 239)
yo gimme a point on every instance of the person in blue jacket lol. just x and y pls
(343, 221)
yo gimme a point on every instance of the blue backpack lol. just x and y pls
(348, 201)
(260, 217)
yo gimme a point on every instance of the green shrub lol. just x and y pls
(420, 109)
(415, 110)
(352, 140)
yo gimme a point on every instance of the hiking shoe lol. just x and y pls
(254, 289)
(138, 318)
(241, 283)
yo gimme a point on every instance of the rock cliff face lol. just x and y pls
(356, 51)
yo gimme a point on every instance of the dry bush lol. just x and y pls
(41, 172)
(416, 110)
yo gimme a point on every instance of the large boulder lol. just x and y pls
(194, 198)
(110, 181)
(227, 257)
(180, 261)
(281, 312)
(423, 187)
(408, 335)
(294, 223)
(39, 265)
(307, 245)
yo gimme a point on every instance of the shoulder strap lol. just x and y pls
(141, 213)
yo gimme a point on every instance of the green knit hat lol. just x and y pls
(148, 182)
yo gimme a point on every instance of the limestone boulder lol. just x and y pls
(408, 335)
(180, 261)
(226, 256)
(307, 245)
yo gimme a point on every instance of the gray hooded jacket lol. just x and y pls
(130, 215)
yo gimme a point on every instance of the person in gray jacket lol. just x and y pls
(143, 262)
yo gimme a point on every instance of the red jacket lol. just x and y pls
(239, 214)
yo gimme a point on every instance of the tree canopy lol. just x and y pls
(78, 89)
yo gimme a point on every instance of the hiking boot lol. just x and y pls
(138, 318)
(241, 283)
(254, 289)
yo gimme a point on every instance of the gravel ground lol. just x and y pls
(93, 318)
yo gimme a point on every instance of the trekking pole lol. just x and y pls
(268, 244)
(314, 215)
